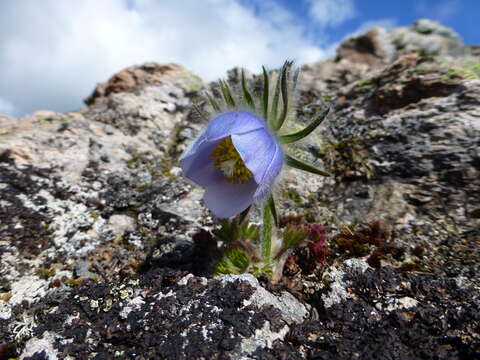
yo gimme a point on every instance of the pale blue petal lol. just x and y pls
(197, 165)
(271, 174)
(262, 155)
(226, 200)
(233, 122)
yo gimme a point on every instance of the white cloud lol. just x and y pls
(331, 12)
(53, 52)
(6, 108)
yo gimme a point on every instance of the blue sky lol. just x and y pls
(52, 53)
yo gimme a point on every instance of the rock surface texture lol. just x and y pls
(105, 249)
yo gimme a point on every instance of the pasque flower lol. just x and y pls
(239, 155)
(236, 159)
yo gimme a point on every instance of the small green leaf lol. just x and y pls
(243, 215)
(290, 161)
(284, 89)
(200, 112)
(286, 139)
(236, 261)
(271, 204)
(213, 102)
(246, 94)
(295, 79)
(272, 119)
(293, 236)
(227, 94)
(265, 94)
(267, 230)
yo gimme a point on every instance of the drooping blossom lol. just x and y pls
(236, 160)
(238, 157)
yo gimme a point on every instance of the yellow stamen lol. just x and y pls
(229, 162)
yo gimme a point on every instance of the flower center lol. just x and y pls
(229, 162)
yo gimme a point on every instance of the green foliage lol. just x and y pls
(286, 139)
(231, 231)
(365, 85)
(235, 261)
(290, 161)
(293, 236)
(346, 158)
(468, 69)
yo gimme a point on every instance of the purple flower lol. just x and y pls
(236, 159)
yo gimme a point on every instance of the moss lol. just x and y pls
(346, 159)
(292, 195)
(194, 82)
(4, 131)
(421, 69)
(75, 282)
(45, 273)
(365, 85)
(467, 69)
(94, 215)
(409, 266)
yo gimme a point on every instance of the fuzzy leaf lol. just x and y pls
(284, 90)
(293, 236)
(267, 230)
(272, 119)
(236, 261)
(246, 94)
(227, 94)
(265, 93)
(286, 139)
(213, 102)
(295, 79)
(200, 112)
(271, 204)
(290, 161)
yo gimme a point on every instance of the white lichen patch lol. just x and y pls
(338, 286)
(263, 338)
(293, 311)
(45, 345)
(134, 304)
(403, 303)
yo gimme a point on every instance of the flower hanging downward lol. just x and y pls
(236, 159)
(239, 155)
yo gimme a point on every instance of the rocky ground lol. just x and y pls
(105, 249)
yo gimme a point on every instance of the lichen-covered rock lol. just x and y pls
(164, 315)
(105, 250)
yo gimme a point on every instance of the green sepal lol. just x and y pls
(227, 94)
(290, 161)
(265, 94)
(246, 94)
(287, 139)
(213, 102)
